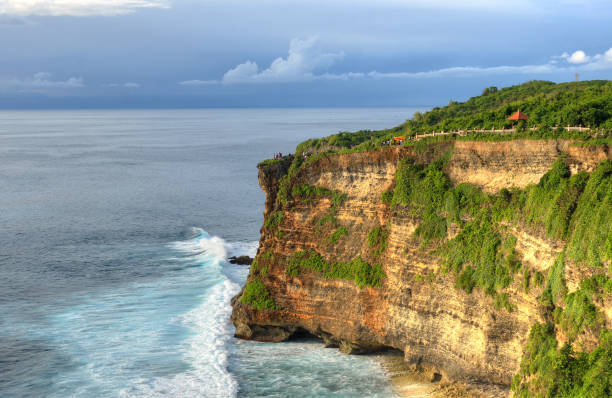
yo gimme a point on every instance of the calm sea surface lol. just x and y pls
(115, 229)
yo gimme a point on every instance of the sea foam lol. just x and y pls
(206, 350)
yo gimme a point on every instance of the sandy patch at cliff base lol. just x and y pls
(408, 383)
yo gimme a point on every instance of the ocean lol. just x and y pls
(116, 228)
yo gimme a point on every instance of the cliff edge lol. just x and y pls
(453, 252)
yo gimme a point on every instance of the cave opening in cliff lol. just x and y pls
(301, 334)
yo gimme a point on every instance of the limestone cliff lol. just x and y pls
(416, 307)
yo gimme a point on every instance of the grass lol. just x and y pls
(358, 270)
(274, 220)
(591, 238)
(420, 192)
(308, 192)
(377, 240)
(387, 197)
(579, 312)
(547, 371)
(256, 295)
(573, 208)
(502, 300)
(268, 162)
(526, 279)
(480, 256)
(262, 259)
(337, 234)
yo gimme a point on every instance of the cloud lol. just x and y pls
(305, 58)
(198, 82)
(131, 85)
(577, 61)
(469, 71)
(42, 80)
(578, 57)
(582, 61)
(76, 8)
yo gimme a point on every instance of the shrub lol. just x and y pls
(546, 371)
(579, 312)
(256, 295)
(274, 220)
(466, 281)
(387, 197)
(592, 220)
(307, 192)
(357, 269)
(503, 301)
(338, 233)
(492, 260)
(377, 240)
(422, 192)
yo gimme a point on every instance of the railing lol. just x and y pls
(463, 133)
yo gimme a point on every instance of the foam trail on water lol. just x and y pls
(163, 337)
(206, 349)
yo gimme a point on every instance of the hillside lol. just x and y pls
(548, 105)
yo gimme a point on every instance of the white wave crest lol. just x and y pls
(242, 248)
(206, 350)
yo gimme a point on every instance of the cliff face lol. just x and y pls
(416, 307)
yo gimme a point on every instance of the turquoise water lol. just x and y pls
(113, 273)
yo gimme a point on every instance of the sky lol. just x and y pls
(289, 53)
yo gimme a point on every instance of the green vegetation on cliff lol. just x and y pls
(377, 240)
(357, 269)
(308, 192)
(574, 208)
(549, 371)
(256, 295)
(421, 192)
(337, 234)
(274, 220)
(482, 253)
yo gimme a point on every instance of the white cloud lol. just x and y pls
(578, 57)
(468, 71)
(198, 82)
(576, 62)
(131, 85)
(42, 81)
(242, 73)
(76, 8)
(305, 58)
